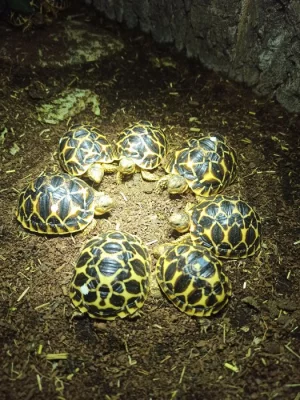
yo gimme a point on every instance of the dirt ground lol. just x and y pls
(251, 348)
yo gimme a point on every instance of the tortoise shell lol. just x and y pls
(143, 143)
(208, 164)
(56, 204)
(58, 5)
(34, 12)
(19, 19)
(193, 279)
(81, 147)
(111, 276)
(227, 225)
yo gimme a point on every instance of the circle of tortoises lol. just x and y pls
(228, 226)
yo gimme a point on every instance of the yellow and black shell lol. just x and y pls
(32, 13)
(21, 14)
(82, 147)
(143, 143)
(111, 276)
(19, 20)
(193, 279)
(208, 164)
(227, 225)
(56, 205)
(58, 5)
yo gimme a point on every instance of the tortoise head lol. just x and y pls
(160, 249)
(126, 166)
(177, 184)
(95, 173)
(103, 203)
(180, 221)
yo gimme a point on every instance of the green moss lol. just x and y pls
(69, 103)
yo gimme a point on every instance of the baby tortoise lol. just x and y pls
(227, 225)
(207, 166)
(111, 276)
(84, 151)
(58, 204)
(34, 13)
(192, 278)
(141, 148)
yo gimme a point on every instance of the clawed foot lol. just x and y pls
(204, 324)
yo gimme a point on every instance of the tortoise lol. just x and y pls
(207, 166)
(58, 204)
(193, 279)
(141, 148)
(56, 5)
(228, 226)
(21, 14)
(84, 151)
(33, 13)
(51, 8)
(112, 276)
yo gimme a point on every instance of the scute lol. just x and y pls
(121, 274)
(108, 266)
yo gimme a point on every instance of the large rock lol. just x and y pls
(252, 41)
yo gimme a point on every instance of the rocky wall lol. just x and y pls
(252, 41)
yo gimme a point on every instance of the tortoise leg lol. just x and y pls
(184, 239)
(90, 227)
(149, 176)
(119, 177)
(28, 25)
(204, 324)
(155, 291)
(137, 314)
(110, 168)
